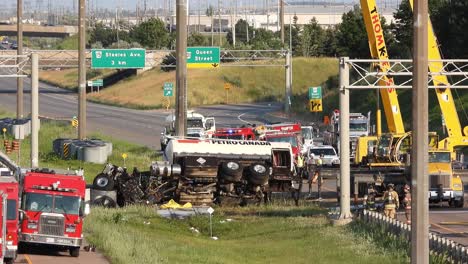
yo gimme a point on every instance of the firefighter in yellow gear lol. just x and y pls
(391, 201)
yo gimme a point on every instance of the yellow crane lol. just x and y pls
(456, 137)
(444, 184)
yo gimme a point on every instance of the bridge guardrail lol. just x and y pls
(438, 245)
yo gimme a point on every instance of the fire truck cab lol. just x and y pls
(240, 133)
(52, 210)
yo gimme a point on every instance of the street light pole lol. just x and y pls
(82, 72)
(181, 70)
(419, 152)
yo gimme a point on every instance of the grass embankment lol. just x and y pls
(68, 78)
(206, 86)
(138, 156)
(266, 234)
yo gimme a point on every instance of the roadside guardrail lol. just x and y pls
(438, 245)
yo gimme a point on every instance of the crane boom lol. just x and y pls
(444, 95)
(378, 50)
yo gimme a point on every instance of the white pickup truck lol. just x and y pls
(198, 126)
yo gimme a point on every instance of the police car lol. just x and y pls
(330, 157)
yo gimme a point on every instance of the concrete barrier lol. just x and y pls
(94, 151)
(18, 128)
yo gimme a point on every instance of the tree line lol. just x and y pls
(348, 38)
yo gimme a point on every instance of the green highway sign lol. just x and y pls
(118, 58)
(203, 57)
(98, 82)
(315, 93)
(168, 89)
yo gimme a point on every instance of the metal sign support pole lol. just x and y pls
(34, 111)
(344, 141)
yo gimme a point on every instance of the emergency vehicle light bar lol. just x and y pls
(52, 188)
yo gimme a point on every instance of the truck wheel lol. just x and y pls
(231, 171)
(75, 252)
(103, 182)
(460, 203)
(105, 201)
(9, 261)
(258, 174)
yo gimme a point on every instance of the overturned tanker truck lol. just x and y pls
(228, 171)
(205, 171)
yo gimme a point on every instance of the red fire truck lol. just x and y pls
(9, 188)
(284, 132)
(53, 210)
(241, 133)
(3, 228)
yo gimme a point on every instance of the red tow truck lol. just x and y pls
(53, 209)
(9, 195)
(239, 133)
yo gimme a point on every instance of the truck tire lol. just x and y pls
(229, 174)
(9, 261)
(104, 201)
(460, 203)
(258, 178)
(74, 252)
(103, 182)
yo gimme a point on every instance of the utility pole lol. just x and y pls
(181, 70)
(219, 23)
(19, 80)
(282, 21)
(419, 151)
(82, 71)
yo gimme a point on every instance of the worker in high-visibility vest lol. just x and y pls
(391, 201)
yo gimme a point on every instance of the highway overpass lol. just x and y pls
(39, 31)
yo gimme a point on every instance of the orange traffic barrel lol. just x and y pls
(16, 145)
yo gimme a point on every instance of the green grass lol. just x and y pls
(138, 156)
(68, 78)
(266, 234)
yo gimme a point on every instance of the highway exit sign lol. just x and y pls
(168, 89)
(203, 57)
(118, 58)
(315, 92)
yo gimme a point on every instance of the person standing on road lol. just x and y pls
(369, 200)
(317, 177)
(297, 184)
(391, 201)
(407, 203)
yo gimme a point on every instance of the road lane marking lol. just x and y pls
(27, 259)
(240, 117)
(452, 231)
